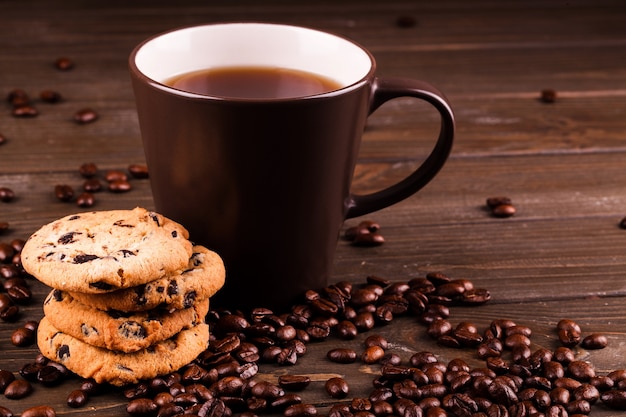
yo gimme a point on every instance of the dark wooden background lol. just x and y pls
(563, 255)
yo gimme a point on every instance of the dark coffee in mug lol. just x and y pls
(252, 82)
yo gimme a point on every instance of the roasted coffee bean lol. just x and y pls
(439, 327)
(6, 253)
(8, 271)
(6, 377)
(6, 194)
(85, 200)
(504, 210)
(86, 115)
(4, 226)
(119, 186)
(406, 21)
(39, 411)
(5, 412)
(22, 337)
(267, 390)
(64, 192)
(139, 171)
(64, 64)
(569, 337)
(372, 354)
(346, 330)
(9, 313)
(17, 389)
(337, 388)
(493, 202)
(615, 399)
(368, 240)
(115, 175)
(88, 170)
(92, 185)
(342, 355)
(560, 395)
(300, 410)
(569, 384)
(567, 324)
(25, 111)
(547, 95)
(294, 382)
(564, 355)
(553, 370)
(77, 398)
(50, 96)
(594, 341)
(141, 407)
(19, 293)
(587, 392)
(3, 139)
(581, 370)
(364, 321)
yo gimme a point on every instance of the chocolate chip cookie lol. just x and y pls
(102, 251)
(203, 277)
(116, 368)
(116, 330)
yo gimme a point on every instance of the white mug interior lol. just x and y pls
(252, 44)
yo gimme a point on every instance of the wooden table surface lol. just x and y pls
(563, 254)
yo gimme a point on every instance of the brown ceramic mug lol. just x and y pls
(265, 181)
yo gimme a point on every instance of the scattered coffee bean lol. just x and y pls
(5, 412)
(548, 95)
(4, 226)
(594, 341)
(88, 170)
(342, 355)
(6, 194)
(366, 233)
(119, 186)
(337, 387)
(3, 139)
(64, 64)
(64, 192)
(39, 411)
(50, 96)
(19, 388)
(22, 337)
(25, 111)
(294, 382)
(406, 21)
(85, 116)
(138, 171)
(85, 199)
(504, 210)
(501, 206)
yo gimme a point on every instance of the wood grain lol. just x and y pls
(562, 255)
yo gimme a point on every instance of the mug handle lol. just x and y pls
(384, 90)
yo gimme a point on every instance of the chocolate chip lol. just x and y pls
(88, 330)
(63, 352)
(103, 286)
(132, 330)
(67, 238)
(82, 258)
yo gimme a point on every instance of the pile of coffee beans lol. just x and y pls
(221, 381)
(15, 290)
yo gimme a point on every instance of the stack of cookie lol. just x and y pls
(129, 294)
